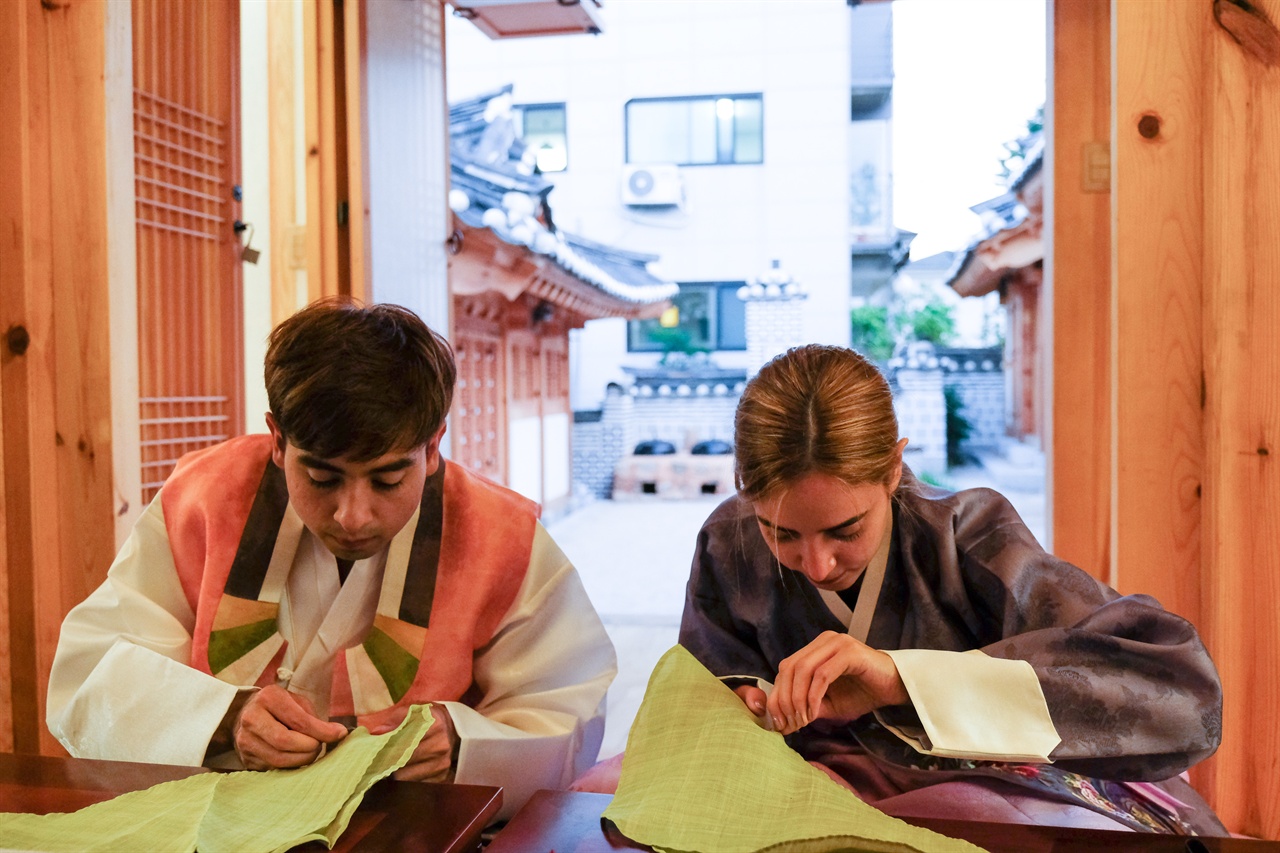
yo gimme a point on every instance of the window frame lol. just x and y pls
(733, 138)
(544, 105)
(717, 289)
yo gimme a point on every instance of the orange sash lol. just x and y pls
(442, 598)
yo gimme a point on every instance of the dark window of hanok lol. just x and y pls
(703, 317)
(543, 128)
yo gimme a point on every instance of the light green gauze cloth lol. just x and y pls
(699, 776)
(244, 812)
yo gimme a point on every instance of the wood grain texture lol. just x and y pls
(122, 263)
(34, 480)
(80, 297)
(356, 78)
(13, 201)
(1158, 266)
(1078, 286)
(327, 257)
(59, 533)
(1241, 540)
(281, 157)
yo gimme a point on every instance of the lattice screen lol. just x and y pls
(186, 166)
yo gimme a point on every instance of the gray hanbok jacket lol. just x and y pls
(1129, 685)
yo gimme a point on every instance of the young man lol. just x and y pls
(282, 588)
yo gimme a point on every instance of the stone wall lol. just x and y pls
(978, 377)
(918, 376)
(922, 418)
(682, 413)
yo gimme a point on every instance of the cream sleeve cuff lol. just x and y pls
(974, 706)
(168, 721)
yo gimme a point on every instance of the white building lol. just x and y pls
(713, 134)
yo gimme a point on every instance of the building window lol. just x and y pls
(696, 131)
(542, 128)
(704, 316)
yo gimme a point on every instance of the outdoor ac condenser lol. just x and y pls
(651, 184)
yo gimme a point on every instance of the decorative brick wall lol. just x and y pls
(681, 413)
(922, 418)
(600, 439)
(774, 308)
(919, 374)
(978, 377)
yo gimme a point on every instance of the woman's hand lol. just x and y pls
(753, 697)
(836, 678)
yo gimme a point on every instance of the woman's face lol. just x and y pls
(825, 528)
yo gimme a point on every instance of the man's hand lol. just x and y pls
(276, 728)
(437, 752)
(834, 677)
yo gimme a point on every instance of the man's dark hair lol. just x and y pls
(348, 380)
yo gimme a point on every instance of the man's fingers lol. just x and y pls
(276, 729)
(258, 753)
(294, 712)
(432, 758)
(434, 769)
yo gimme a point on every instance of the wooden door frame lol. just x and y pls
(335, 46)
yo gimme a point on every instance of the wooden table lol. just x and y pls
(567, 822)
(394, 816)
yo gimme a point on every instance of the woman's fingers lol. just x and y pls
(833, 676)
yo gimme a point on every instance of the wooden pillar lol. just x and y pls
(55, 381)
(1158, 273)
(1078, 284)
(1196, 373)
(336, 131)
(282, 158)
(1240, 539)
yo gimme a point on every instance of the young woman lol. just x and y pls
(920, 646)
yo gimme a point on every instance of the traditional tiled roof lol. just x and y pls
(1002, 217)
(495, 186)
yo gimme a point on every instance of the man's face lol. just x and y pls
(355, 508)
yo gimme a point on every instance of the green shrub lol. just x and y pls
(870, 332)
(932, 323)
(959, 427)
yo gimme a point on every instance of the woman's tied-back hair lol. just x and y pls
(814, 409)
(348, 380)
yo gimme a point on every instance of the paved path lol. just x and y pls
(634, 559)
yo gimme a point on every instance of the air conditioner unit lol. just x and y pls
(651, 184)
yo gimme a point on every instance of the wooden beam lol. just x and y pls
(122, 253)
(1241, 316)
(14, 195)
(355, 75)
(323, 260)
(81, 311)
(281, 157)
(1159, 264)
(1078, 292)
(56, 390)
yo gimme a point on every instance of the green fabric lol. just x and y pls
(397, 667)
(230, 644)
(243, 812)
(700, 775)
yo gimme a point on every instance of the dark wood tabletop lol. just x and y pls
(567, 822)
(394, 816)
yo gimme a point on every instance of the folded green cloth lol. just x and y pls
(700, 776)
(243, 812)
